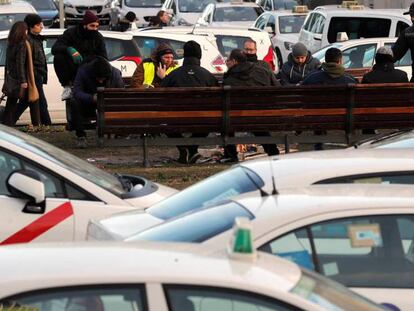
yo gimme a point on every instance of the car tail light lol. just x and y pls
(270, 58)
(135, 59)
(219, 64)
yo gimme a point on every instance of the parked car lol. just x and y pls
(324, 23)
(360, 53)
(142, 9)
(185, 12)
(48, 11)
(13, 12)
(273, 5)
(47, 194)
(283, 28)
(239, 14)
(266, 176)
(123, 54)
(75, 9)
(159, 277)
(359, 235)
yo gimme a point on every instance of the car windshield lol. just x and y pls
(194, 6)
(197, 226)
(284, 4)
(320, 55)
(291, 23)
(7, 20)
(62, 158)
(41, 5)
(143, 3)
(207, 192)
(330, 295)
(236, 14)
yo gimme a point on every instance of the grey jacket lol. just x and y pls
(291, 73)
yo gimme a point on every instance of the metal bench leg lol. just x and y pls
(146, 162)
(287, 150)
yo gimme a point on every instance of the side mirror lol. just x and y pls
(28, 185)
(269, 30)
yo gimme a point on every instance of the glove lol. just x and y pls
(76, 56)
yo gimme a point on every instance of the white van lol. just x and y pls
(322, 24)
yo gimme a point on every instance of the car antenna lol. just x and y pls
(274, 191)
(194, 27)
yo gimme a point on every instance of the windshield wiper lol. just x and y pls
(125, 182)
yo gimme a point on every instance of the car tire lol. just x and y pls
(279, 59)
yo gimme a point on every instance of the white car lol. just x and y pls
(159, 277)
(47, 194)
(185, 12)
(360, 53)
(283, 28)
(75, 10)
(266, 176)
(13, 12)
(239, 14)
(359, 235)
(276, 5)
(122, 53)
(398, 139)
(141, 8)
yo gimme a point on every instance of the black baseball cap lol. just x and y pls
(410, 10)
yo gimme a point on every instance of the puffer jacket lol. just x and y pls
(16, 62)
(385, 73)
(38, 56)
(247, 74)
(291, 73)
(88, 43)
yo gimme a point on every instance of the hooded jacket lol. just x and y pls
(291, 73)
(138, 77)
(385, 73)
(329, 74)
(247, 74)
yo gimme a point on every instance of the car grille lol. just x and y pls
(82, 9)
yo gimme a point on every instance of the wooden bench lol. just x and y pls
(224, 110)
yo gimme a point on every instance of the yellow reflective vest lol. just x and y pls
(149, 72)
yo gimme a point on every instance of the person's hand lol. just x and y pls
(23, 85)
(76, 56)
(95, 98)
(161, 71)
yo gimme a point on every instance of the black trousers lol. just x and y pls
(65, 69)
(230, 151)
(192, 149)
(79, 112)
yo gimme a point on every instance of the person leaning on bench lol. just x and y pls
(98, 73)
(190, 74)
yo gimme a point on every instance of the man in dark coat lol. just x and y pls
(243, 73)
(76, 46)
(405, 41)
(331, 72)
(188, 75)
(383, 70)
(300, 63)
(90, 76)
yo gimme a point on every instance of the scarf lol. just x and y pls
(33, 95)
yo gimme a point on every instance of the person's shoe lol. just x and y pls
(183, 157)
(67, 93)
(193, 158)
(81, 142)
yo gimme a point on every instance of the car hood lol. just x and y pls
(242, 24)
(47, 14)
(152, 198)
(121, 225)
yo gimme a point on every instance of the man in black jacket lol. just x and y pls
(77, 45)
(188, 75)
(383, 70)
(405, 41)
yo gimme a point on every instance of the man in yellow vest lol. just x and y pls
(152, 70)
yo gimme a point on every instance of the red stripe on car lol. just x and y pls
(41, 225)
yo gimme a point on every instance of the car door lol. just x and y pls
(371, 254)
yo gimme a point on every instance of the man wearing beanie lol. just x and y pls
(90, 76)
(383, 71)
(77, 45)
(188, 75)
(35, 26)
(299, 64)
(126, 23)
(153, 70)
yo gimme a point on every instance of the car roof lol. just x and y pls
(93, 263)
(335, 10)
(17, 7)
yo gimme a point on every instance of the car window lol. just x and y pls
(117, 48)
(405, 60)
(47, 47)
(208, 192)
(353, 250)
(312, 21)
(188, 298)
(361, 56)
(359, 27)
(291, 24)
(272, 23)
(320, 55)
(8, 164)
(196, 227)
(400, 27)
(284, 4)
(226, 44)
(268, 5)
(308, 21)
(111, 298)
(403, 177)
(7, 20)
(261, 22)
(45, 5)
(193, 6)
(147, 44)
(143, 3)
(3, 50)
(236, 14)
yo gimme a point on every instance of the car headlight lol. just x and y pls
(288, 45)
(108, 5)
(68, 5)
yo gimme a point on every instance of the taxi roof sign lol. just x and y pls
(5, 1)
(241, 243)
(300, 9)
(347, 4)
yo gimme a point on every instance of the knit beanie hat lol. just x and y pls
(131, 16)
(32, 19)
(164, 51)
(299, 49)
(102, 68)
(192, 49)
(89, 18)
(384, 55)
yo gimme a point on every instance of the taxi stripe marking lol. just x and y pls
(41, 225)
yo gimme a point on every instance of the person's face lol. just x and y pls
(230, 63)
(250, 48)
(36, 29)
(92, 26)
(165, 18)
(300, 60)
(167, 59)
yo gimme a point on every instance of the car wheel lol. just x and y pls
(279, 58)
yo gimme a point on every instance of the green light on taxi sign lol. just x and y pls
(241, 244)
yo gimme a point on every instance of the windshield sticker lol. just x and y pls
(365, 235)
(330, 269)
(302, 258)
